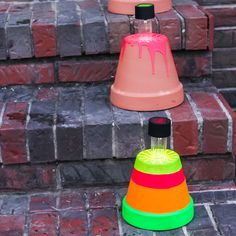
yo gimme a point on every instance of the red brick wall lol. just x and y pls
(224, 53)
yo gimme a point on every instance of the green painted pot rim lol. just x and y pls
(158, 161)
(151, 221)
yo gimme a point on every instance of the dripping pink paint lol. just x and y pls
(154, 43)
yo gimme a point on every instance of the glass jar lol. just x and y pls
(144, 18)
(159, 129)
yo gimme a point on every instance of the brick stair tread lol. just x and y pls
(84, 211)
(73, 28)
(63, 136)
(78, 122)
(77, 41)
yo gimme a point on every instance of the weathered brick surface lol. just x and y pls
(40, 131)
(224, 38)
(118, 28)
(69, 124)
(224, 16)
(224, 58)
(117, 172)
(43, 73)
(127, 133)
(99, 140)
(215, 2)
(106, 172)
(86, 71)
(4, 6)
(202, 197)
(201, 225)
(42, 203)
(230, 97)
(193, 64)
(105, 219)
(215, 123)
(185, 129)
(44, 29)
(104, 222)
(26, 74)
(71, 28)
(94, 33)
(184, 2)
(234, 38)
(211, 26)
(170, 25)
(189, 64)
(73, 223)
(98, 120)
(14, 205)
(12, 225)
(19, 40)
(46, 94)
(224, 78)
(12, 133)
(196, 27)
(43, 224)
(22, 178)
(233, 116)
(15, 74)
(74, 200)
(130, 230)
(3, 42)
(209, 167)
(101, 199)
(68, 29)
(215, 197)
(224, 215)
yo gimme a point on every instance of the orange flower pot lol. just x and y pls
(146, 78)
(157, 197)
(127, 6)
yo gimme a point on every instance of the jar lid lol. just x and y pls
(144, 11)
(159, 127)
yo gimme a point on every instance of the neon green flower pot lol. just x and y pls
(158, 197)
(150, 221)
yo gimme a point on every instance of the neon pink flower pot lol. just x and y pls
(146, 78)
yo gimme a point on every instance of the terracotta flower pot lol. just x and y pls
(146, 78)
(127, 6)
(157, 197)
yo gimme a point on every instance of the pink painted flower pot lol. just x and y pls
(146, 78)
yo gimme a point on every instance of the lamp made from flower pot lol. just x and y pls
(127, 6)
(157, 197)
(146, 77)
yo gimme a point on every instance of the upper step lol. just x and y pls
(73, 28)
(50, 42)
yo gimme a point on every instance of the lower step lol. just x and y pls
(74, 123)
(62, 136)
(106, 173)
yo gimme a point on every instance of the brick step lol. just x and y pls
(55, 71)
(63, 40)
(97, 211)
(72, 28)
(77, 124)
(200, 169)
